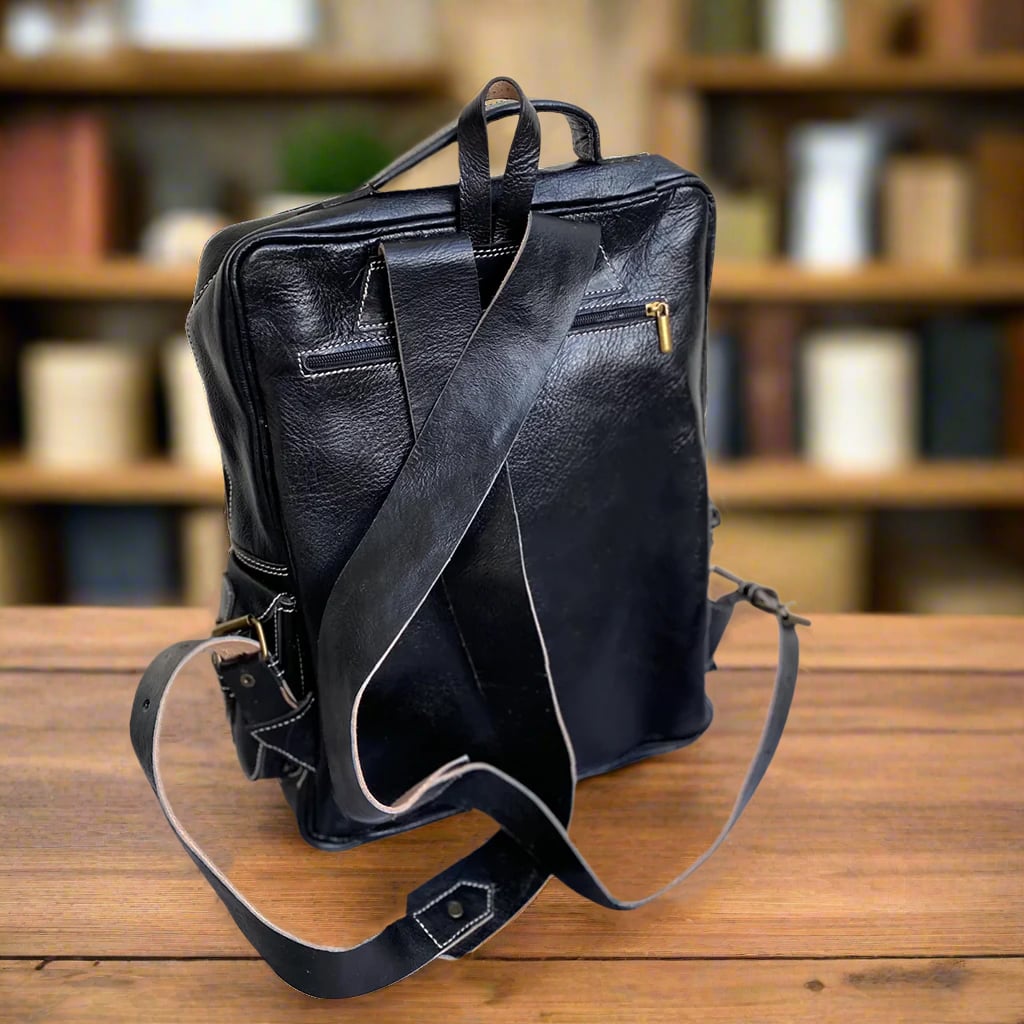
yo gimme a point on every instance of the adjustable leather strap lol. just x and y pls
(520, 811)
(435, 297)
(457, 456)
(427, 931)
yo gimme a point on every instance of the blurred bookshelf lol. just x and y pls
(928, 303)
(779, 281)
(867, 301)
(135, 73)
(118, 279)
(121, 128)
(752, 74)
(741, 484)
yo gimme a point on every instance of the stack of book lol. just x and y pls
(55, 203)
(866, 397)
(817, 30)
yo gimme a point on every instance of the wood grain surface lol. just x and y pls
(877, 876)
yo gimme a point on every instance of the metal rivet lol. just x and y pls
(455, 909)
(247, 680)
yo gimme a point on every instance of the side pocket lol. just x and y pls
(270, 704)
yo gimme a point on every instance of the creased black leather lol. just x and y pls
(468, 506)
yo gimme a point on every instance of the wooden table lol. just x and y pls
(878, 875)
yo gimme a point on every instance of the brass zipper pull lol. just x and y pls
(659, 310)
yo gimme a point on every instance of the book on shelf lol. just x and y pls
(119, 556)
(870, 28)
(55, 203)
(767, 360)
(1000, 25)
(962, 366)
(204, 550)
(926, 210)
(1013, 398)
(860, 397)
(950, 27)
(725, 26)
(24, 568)
(721, 438)
(999, 194)
(746, 226)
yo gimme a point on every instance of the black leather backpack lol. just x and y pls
(463, 440)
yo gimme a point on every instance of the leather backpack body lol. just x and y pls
(463, 442)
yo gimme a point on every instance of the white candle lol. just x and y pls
(860, 398)
(803, 30)
(87, 403)
(191, 435)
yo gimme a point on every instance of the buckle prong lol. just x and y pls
(244, 622)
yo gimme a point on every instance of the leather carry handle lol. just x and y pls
(517, 183)
(470, 131)
(586, 137)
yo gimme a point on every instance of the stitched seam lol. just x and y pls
(270, 607)
(486, 913)
(298, 651)
(607, 291)
(284, 721)
(271, 568)
(349, 369)
(284, 753)
(377, 264)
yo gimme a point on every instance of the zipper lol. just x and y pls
(382, 353)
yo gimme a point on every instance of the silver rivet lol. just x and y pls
(247, 680)
(455, 910)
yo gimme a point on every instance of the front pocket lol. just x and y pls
(382, 350)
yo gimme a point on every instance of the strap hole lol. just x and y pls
(455, 909)
(247, 680)
(145, 704)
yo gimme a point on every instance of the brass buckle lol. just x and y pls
(244, 622)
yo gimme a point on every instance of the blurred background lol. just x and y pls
(866, 384)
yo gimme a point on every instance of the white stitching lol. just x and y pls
(270, 607)
(298, 652)
(487, 912)
(271, 568)
(284, 753)
(276, 725)
(607, 291)
(285, 721)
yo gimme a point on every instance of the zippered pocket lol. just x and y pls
(383, 351)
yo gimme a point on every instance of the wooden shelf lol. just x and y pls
(785, 282)
(750, 483)
(157, 482)
(140, 73)
(741, 74)
(110, 279)
(130, 279)
(773, 484)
